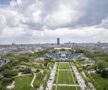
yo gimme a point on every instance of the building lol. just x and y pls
(58, 41)
(62, 48)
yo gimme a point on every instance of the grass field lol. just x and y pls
(63, 66)
(65, 77)
(64, 51)
(23, 83)
(66, 88)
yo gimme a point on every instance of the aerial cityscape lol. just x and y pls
(53, 45)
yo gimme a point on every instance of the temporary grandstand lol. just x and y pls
(64, 57)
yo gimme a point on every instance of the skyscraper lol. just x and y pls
(58, 41)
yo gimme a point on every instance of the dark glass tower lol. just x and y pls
(58, 41)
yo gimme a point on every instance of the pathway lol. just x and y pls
(80, 79)
(33, 80)
(51, 79)
(11, 86)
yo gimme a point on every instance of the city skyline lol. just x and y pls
(42, 21)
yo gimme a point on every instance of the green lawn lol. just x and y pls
(64, 51)
(65, 77)
(64, 66)
(23, 83)
(66, 88)
(54, 88)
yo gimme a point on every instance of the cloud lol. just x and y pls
(64, 15)
(103, 23)
(85, 34)
(95, 12)
(43, 20)
(49, 13)
(2, 22)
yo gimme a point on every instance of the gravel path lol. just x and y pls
(80, 79)
(33, 80)
(51, 79)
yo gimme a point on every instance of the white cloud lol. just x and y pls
(86, 34)
(64, 12)
(2, 22)
(12, 18)
(67, 12)
(104, 23)
(14, 3)
(36, 16)
(18, 19)
(13, 32)
(59, 17)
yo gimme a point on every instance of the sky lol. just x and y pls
(42, 21)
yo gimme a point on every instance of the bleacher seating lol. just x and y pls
(64, 56)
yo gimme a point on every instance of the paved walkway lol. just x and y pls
(33, 80)
(51, 79)
(11, 86)
(73, 78)
(80, 79)
(89, 83)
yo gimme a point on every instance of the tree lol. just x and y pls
(104, 73)
(23, 57)
(6, 81)
(9, 73)
(101, 65)
(26, 70)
